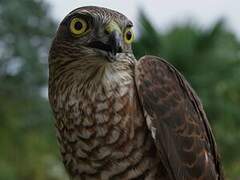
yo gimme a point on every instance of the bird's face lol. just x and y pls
(93, 33)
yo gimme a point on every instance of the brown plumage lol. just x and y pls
(118, 118)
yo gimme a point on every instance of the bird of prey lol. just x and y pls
(119, 118)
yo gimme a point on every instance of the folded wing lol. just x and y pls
(177, 121)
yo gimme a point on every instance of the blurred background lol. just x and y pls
(201, 38)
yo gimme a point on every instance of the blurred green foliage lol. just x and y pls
(28, 145)
(209, 59)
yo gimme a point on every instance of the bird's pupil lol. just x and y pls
(78, 25)
(129, 35)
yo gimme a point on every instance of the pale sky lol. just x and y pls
(163, 13)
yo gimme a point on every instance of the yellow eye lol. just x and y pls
(128, 36)
(78, 26)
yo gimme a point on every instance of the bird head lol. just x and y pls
(93, 33)
(92, 47)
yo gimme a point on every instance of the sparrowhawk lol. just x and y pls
(119, 118)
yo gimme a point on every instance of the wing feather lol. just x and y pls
(176, 117)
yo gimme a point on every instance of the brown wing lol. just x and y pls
(179, 126)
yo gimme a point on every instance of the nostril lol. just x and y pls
(106, 32)
(119, 50)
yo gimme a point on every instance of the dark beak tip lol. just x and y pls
(113, 46)
(115, 42)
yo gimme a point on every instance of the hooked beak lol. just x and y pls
(113, 45)
(115, 42)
